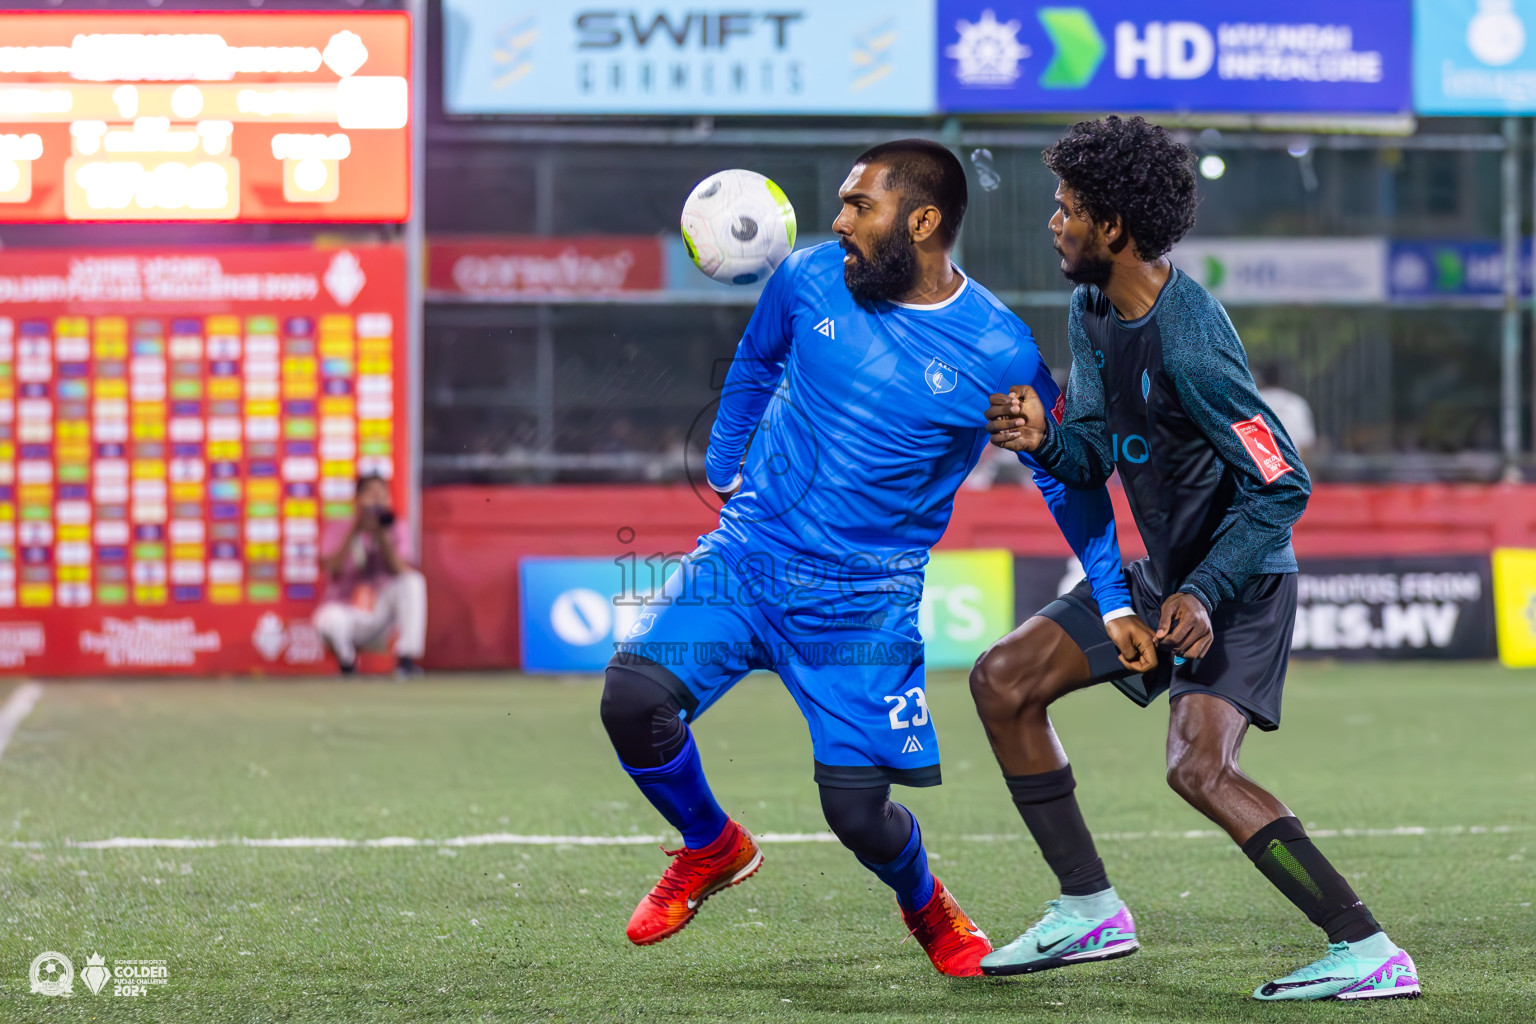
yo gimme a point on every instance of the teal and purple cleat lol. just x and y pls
(1061, 938)
(1373, 968)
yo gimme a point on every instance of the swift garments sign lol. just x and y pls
(176, 429)
(580, 57)
(251, 116)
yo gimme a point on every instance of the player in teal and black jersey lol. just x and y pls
(1160, 392)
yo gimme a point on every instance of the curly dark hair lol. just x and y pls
(1131, 170)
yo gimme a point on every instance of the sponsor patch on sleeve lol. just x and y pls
(1060, 408)
(1260, 442)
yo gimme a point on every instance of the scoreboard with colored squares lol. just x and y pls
(176, 430)
(226, 116)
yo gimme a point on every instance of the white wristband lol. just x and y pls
(1118, 613)
(728, 488)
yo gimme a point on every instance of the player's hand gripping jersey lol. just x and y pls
(1213, 479)
(857, 426)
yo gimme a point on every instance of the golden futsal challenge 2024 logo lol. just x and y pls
(53, 974)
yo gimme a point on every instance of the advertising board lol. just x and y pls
(1337, 56)
(577, 57)
(177, 428)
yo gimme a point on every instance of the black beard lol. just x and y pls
(886, 274)
(1087, 270)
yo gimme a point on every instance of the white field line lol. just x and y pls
(518, 839)
(20, 704)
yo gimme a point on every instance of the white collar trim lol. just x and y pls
(964, 282)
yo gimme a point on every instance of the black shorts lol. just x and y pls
(1244, 667)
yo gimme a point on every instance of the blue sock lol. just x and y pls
(680, 792)
(908, 874)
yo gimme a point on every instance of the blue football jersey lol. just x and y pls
(852, 428)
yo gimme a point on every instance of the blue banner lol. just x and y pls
(1437, 269)
(1474, 56)
(573, 611)
(575, 57)
(1264, 55)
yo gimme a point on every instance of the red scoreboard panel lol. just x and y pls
(239, 116)
(177, 429)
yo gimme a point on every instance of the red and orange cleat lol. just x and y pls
(693, 877)
(952, 942)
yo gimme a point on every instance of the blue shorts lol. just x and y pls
(850, 654)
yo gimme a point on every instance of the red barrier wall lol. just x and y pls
(474, 536)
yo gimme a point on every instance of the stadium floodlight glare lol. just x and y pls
(1212, 166)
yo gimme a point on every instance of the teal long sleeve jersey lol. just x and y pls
(1213, 479)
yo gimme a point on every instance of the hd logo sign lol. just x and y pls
(1284, 55)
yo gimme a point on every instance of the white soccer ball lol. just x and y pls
(738, 226)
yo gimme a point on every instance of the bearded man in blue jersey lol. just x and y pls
(853, 410)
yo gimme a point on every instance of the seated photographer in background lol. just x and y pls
(370, 586)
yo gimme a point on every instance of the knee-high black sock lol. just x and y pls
(1051, 814)
(1285, 856)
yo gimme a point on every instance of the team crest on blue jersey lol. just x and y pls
(642, 625)
(1146, 385)
(941, 377)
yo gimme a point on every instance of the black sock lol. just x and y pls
(1282, 851)
(1051, 814)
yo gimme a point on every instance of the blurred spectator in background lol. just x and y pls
(1294, 412)
(371, 588)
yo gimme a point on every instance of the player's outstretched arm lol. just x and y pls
(1086, 518)
(1216, 389)
(753, 378)
(1068, 437)
(1087, 521)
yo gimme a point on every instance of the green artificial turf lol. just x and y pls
(535, 932)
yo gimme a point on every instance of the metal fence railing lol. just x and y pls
(620, 387)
